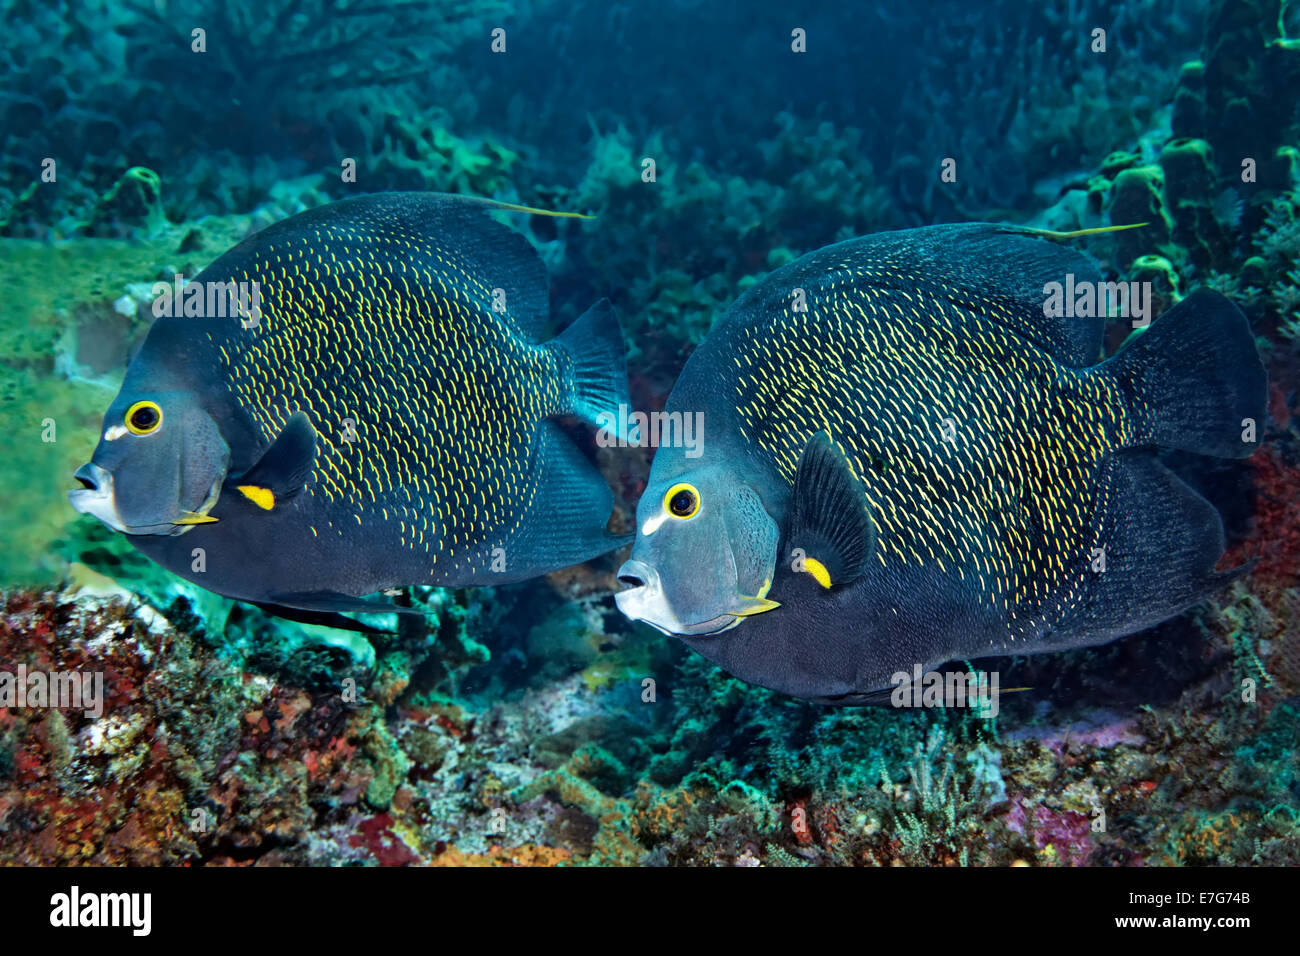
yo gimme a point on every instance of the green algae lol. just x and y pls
(45, 285)
(390, 762)
(58, 331)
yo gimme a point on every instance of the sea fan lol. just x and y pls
(290, 60)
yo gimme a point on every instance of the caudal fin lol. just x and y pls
(594, 346)
(566, 525)
(1195, 379)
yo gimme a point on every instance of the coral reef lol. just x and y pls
(198, 760)
(532, 725)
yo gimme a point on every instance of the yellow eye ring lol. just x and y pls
(143, 418)
(682, 501)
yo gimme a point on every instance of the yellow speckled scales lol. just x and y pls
(394, 331)
(976, 438)
(407, 328)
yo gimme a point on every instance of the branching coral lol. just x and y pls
(1279, 243)
(277, 58)
(941, 811)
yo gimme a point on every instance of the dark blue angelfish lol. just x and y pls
(384, 421)
(925, 466)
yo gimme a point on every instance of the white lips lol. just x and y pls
(641, 603)
(97, 501)
(646, 603)
(99, 505)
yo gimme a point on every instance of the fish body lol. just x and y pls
(384, 419)
(908, 460)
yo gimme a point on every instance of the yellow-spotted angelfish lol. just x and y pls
(364, 403)
(912, 455)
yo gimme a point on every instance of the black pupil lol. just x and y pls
(144, 418)
(683, 502)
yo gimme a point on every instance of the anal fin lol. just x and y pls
(1161, 542)
(319, 618)
(337, 603)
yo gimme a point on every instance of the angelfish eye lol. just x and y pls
(143, 418)
(682, 501)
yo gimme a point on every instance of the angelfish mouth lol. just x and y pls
(643, 600)
(95, 497)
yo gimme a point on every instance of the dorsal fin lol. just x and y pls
(995, 271)
(438, 233)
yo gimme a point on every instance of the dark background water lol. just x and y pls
(762, 154)
(996, 84)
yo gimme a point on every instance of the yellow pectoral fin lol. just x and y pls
(264, 498)
(818, 571)
(192, 517)
(748, 606)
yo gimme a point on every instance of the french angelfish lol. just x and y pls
(384, 420)
(925, 466)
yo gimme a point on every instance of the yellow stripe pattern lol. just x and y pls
(425, 400)
(978, 451)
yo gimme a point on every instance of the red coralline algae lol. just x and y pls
(1067, 832)
(376, 836)
(827, 822)
(1275, 539)
(192, 762)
